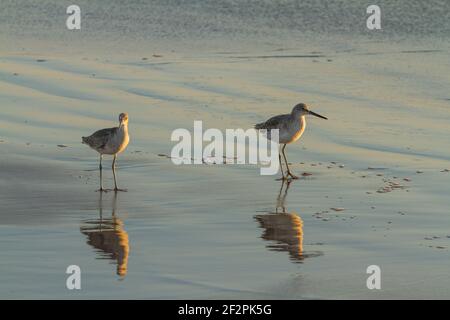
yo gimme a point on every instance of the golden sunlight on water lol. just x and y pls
(108, 237)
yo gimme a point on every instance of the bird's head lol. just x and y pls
(302, 109)
(123, 118)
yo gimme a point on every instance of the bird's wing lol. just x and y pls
(273, 123)
(100, 138)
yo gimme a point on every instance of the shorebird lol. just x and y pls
(291, 127)
(110, 141)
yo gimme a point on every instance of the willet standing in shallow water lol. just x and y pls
(110, 141)
(291, 127)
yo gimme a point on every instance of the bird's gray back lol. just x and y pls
(289, 128)
(277, 122)
(100, 138)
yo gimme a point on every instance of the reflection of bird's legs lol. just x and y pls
(289, 173)
(281, 199)
(288, 183)
(279, 203)
(114, 174)
(114, 207)
(101, 175)
(100, 210)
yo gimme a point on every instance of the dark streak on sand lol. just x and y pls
(280, 56)
(405, 51)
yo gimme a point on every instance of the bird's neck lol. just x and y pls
(303, 121)
(124, 128)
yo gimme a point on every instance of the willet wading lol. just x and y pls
(291, 127)
(110, 141)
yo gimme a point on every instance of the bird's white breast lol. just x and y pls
(301, 129)
(293, 131)
(118, 142)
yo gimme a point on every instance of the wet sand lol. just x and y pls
(196, 231)
(377, 193)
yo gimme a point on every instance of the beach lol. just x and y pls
(376, 174)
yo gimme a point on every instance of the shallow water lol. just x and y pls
(212, 231)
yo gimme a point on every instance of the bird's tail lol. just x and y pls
(259, 126)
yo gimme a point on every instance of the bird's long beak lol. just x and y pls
(318, 115)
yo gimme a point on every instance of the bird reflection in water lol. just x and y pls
(107, 236)
(284, 230)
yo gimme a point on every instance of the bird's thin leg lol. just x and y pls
(281, 166)
(101, 174)
(289, 173)
(114, 174)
